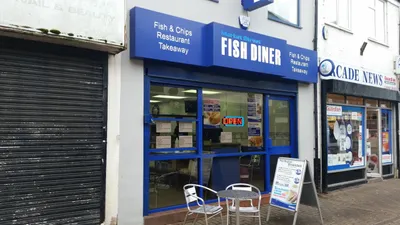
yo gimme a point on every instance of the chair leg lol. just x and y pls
(195, 219)
(184, 222)
(259, 218)
(205, 215)
(227, 215)
(222, 220)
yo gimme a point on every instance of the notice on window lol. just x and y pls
(287, 183)
(185, 141)
(185, 127)
(226, 137)
(332, 110)
(163, 142)
(163, 127)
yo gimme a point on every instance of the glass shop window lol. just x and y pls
(345, 147)
(385, 104)
(334, 98)
(354, 100)
(232, 120)
(371, 103)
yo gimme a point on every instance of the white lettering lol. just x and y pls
(223, 45)
(236, 51)
(253, 49)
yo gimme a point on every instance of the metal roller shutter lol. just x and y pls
(52, 138)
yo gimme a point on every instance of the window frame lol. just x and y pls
(276, 19)
(199, 86)
(385, 27)
(338, 24)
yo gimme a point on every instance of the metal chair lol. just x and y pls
(248, 211)
(201, 208)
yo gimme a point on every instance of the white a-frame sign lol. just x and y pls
(293, 185)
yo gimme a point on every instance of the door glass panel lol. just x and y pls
(386, 138)
(372, 145)
(279, 122)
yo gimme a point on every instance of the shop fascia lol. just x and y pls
(168, 38)
(333, 70)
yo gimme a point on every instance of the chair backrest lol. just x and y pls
(190, 193)
(245, 187)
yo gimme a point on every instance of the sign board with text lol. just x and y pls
(293, 185)
(332, 70)
(99, 21)
(168, 38)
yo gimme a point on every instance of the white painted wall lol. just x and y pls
(344, 46)
(130, 175)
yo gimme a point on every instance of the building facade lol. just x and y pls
(54, 88)
(201, 99)
(357, 47)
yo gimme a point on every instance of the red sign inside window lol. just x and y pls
(233, 121)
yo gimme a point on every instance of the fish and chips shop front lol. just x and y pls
(220, 105)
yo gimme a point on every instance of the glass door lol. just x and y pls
(373, 143)
(280, 130)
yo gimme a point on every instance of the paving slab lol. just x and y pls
(369, 204)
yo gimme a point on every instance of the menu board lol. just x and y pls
(288, 182)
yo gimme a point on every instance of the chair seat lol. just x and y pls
(210, 209)
(244, 209)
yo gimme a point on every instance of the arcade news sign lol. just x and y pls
(330, 70)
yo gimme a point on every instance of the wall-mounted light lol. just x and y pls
(362, 49)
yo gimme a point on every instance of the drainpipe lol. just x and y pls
(397, 108)
(317, 161)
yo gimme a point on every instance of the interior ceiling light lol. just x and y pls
(204, 92)
(169, 97)
(154, 101)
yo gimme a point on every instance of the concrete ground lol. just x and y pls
(369, 204)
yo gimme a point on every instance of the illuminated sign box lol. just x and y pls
(233, 121)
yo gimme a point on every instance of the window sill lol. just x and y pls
(378, 42)
(284, 22)
(339, 28)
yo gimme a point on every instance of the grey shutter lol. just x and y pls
(52, 118)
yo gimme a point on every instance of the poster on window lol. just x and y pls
(254, 107)
(212, 112)
(386, 156)
(255, 138)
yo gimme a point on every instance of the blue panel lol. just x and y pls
(251, 5)
(162, 37)
(303, 64)
(205, 80)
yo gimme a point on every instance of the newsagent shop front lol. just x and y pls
(358, 123)
(220, 105)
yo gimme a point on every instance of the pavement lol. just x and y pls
(375, 203)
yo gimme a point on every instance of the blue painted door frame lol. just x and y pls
(268, 149)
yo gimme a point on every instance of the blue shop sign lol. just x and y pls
(250, 5)
(168, 38)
